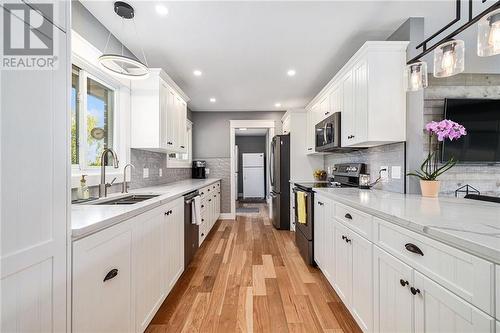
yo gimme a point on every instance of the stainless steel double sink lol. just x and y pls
(121, 200)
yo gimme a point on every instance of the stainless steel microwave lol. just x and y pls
(327, 133)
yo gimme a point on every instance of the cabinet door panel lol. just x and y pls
(438, 310)
(362, 281)
(171, 119)
(175, 245)
(103, 306)
(393, 302)
(319, 241)
(347, 119)
(343, 264)
(149, 265)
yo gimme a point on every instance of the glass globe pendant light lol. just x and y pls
(449, 58)
(416, 74)
(119, 64)
(488, 34)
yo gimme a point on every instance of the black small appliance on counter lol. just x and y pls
(344, 175)
(198, 171)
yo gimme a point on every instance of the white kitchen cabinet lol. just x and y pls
(174, 247)
(438, 310)
(210, 209)
(35, 188)
(343, 263)
(362, 281)
(370, 116)
(149, 264)
(497, 296)
(319, 231)
(102, 281)
(285, 123)
(310, 130)
(393, 301)
(159, 114)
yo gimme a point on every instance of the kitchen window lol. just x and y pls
(92, 114)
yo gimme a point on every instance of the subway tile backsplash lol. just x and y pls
(375, 157)
(154, 161)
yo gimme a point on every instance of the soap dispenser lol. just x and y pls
(83, 191)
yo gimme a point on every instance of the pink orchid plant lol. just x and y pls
(444, 129)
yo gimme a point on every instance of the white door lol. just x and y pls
(393, 301)
(34, 192)
(253, 160)
(253, 182)
(438, 310)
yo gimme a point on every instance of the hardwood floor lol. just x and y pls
(249, 277)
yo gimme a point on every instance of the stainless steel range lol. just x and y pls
(344, 175)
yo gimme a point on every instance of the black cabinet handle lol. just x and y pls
(348, 216)
(183, 147)
(414, 291)
(209, 199)
(202, 220)
(166, 213)
(111, 274)
(327, 113)
(344, 237)
(169, 143)
(202, 206)
(403, 282)
(202, 193)
(347, 240)
(320, 203)
(208, 190)
(203, 234)
(309, 149)
(215, 195)
(414, 249)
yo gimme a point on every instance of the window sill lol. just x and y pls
(93, 177)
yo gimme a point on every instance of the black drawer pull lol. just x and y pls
(347, 240)
(348, 216)
(309, 149)
(403, 282)
(202, 206)
(209, 199)
(202, 234)
(344, 237)
(208, 189)
(183, 147)
(111, 274)
(320, 203)
(414, 291)
(414, 249)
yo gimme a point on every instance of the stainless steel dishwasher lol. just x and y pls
(191, 231)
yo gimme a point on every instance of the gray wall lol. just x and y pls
(486, 178)
(211, 130)
(249, 144)
(85, 24)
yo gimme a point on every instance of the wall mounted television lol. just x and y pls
(481, 118)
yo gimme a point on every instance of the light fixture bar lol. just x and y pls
(472, 20)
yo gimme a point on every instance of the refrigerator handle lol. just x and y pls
(271, 164)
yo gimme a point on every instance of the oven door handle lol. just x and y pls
(296, 191)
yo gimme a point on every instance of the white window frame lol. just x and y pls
(180, 163)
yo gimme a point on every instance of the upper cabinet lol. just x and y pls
(159, 114)
(369, 92)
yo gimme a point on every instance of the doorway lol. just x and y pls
(250, 142)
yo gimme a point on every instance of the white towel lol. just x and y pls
(196, 210)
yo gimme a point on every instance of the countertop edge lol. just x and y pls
(77, 234)
(475, 249)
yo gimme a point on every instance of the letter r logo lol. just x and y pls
(27, 31)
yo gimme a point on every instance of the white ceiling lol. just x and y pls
(244, 49)
(251, 132)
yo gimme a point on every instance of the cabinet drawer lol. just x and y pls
(466, 275)
(354, 219)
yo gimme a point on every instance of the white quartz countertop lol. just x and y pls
(469, 225)
(87, 219)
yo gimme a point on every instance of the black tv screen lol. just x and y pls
(481, 119)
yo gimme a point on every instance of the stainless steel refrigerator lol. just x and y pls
(280, 181)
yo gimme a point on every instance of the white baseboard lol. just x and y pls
(227, 216)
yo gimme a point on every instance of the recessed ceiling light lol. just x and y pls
(242, 128)
(161, 10)
(278, 105)
(197, 72)
(291, 72)
(213, 100)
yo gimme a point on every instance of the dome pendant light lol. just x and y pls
(119, 64)
(449, 58)
(416, 74)
(488, 34)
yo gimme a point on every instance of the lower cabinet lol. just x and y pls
(384, 293)
(210, 212)
(438, 310)
(393, 302)
(102, 281)
(121, 275)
